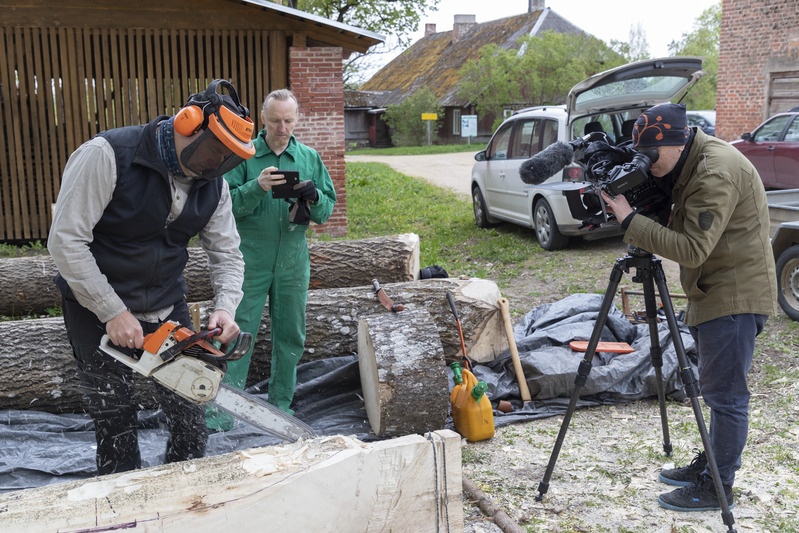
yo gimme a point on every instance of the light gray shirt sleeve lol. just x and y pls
(220, 240)
(87, 185)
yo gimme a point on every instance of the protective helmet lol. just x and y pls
(227, 130)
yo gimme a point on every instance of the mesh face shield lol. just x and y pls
(208, 158)
(226, 132)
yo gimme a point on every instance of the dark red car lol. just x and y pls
(773, 148)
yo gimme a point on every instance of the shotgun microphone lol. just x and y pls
(545, 163)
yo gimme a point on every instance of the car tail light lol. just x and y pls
(573, 173)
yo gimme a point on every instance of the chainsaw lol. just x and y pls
(188, 364)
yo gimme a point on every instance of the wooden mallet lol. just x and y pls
(524, 390)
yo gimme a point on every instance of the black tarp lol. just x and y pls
(40, 448)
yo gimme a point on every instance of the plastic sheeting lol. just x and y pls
(40, 448)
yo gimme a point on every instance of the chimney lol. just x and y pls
(429, 29)
(462, 25)
(535, 5)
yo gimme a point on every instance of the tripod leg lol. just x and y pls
(656, 356)
(692, 390)
(582, 374)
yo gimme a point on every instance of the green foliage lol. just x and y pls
(28, 248)
(406, 118)
(703, 41)
(636, 48)
(541, 72)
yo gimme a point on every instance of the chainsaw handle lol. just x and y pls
(240, 348)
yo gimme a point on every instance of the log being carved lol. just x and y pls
(412, 483)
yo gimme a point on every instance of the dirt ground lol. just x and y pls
(605, 477)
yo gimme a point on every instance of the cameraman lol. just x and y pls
(718, 232)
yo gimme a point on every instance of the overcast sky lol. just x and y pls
(662, 22)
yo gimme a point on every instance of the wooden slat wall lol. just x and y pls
(60, 86)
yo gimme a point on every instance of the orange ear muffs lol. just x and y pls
(189, 120)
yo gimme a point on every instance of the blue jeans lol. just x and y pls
(726, 346)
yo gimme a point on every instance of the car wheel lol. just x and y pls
(480, 210)
(546, 228)
(788, 281)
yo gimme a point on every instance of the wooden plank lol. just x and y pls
(86, 90)
(59, 136)
(6, 208)
(69, 80)
(104, 79)
(191, 62)
(158, 73)
(93, 107)
(21, 129)
(55, 156)
(39, 177)
(278, 60)
(411, 483)
(131, 82)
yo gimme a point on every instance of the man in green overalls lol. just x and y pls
(272, 230)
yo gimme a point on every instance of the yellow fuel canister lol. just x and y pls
(472, 413)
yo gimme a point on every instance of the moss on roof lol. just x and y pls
(435, 61)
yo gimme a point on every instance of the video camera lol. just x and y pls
(617, 170)
(613, 169)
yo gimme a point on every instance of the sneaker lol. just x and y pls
(681, 477)
(698, 496)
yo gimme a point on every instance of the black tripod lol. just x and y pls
(648, 271)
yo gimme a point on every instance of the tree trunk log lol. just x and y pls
(40, 372)
(26, 283)
(412, 483)
(403, 373)
(332, 320)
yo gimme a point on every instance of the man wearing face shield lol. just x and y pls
(131, 198)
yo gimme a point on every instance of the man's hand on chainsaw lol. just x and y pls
(222, 319)
(125, 330)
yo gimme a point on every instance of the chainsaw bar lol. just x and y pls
(263, 415)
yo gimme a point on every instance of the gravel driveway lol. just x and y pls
(452, 171)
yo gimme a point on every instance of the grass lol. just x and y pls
(381, 201)
(30, 248)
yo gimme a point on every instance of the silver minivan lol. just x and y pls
(609, 102)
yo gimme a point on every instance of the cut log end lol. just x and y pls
(403, 373)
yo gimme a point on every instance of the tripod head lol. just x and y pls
(634, 251)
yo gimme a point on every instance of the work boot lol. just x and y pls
(698, 496)
(680, 477)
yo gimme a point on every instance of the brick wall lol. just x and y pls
(758, 38)
(315, 76)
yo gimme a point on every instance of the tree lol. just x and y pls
(703, 41)
(406, 118)
(636, 48)
(541, 71)
(397, 19)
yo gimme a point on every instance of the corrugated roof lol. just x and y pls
(435, 60)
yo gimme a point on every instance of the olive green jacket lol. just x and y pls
(718, 233)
